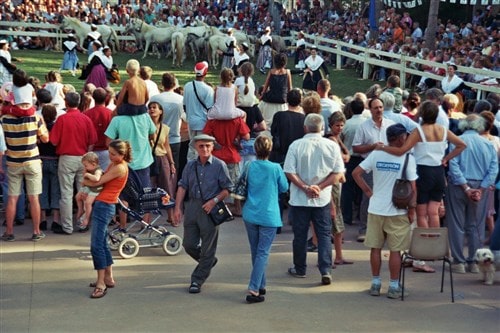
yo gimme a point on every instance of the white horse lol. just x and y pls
(151, 34)
(82, 29)
(178, 54)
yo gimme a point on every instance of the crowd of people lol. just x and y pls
(340, 156)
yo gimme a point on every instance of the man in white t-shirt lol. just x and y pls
(386, 222)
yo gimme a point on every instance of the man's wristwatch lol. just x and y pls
(216, 200)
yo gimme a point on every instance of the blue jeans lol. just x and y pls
(51, 192)
(102, 213)
(260, 239)
(322, 223)
(21, 202)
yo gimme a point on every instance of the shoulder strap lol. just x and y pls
(157, 138)
(422, 134)
(403, 172)
(198, 97)
(198, 179)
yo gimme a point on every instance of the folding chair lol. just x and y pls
(429, 245)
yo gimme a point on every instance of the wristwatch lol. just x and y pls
(216, 200)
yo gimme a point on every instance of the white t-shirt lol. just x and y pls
(386, 168)
(248, 99)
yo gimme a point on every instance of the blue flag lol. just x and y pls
(373, 17)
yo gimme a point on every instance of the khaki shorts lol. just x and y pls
(394, 229)
(338, 221)
(30, 173)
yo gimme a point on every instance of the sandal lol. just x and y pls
(99, 292)
(423, 269)
(93, 285)
(343, 262)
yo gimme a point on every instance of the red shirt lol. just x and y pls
(73, 133)
(225, 132)
(101, 117)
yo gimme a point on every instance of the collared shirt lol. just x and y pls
(73, 133)
(21, 134)
(478, 162)
(101, 117)
(213, 176)
(409, 124)
(313, 158)
(136, 130)
(368, 133)
(349, 130)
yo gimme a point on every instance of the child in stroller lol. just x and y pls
(142, 201)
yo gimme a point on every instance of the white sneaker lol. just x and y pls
(458, 268)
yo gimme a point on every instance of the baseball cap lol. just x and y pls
(201, 68)
(394, 131)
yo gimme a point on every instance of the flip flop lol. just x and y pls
(99, 292)
(423, 269)
(93, 285)
(343, 262)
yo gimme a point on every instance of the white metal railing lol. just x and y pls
(338, 48)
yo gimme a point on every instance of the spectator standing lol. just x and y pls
(51, 191)
(23, 163)
(469, 177)
(261, 214)
(6, 66)
(101, 117)
(171, 102)
(328, 105)
(73, 135)
(369, 135)
(198, 98)
(387, 223)
(312, 165)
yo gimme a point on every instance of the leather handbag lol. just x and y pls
(402, 192)
(220, 213)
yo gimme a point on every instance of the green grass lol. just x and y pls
(38, 63)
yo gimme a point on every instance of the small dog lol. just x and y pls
(486, 262)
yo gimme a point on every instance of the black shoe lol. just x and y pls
(215, 262)
(43, 225)
(255, 299)
(83, 229)
(312, 248)
(262, 291)
(19, 221)
(55, 227)
(194, 288)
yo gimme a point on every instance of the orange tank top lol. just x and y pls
(112, 189)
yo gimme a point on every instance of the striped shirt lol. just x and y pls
(21, 135)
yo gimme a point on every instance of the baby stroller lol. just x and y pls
(143, 200)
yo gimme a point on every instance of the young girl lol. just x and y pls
(86, 196)
(21, 96)
(55, 87)
(226, 97)
(70, 58)
(164, 175)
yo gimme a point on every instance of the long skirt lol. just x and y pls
(70, 60)
(265, 59)
(98, 76)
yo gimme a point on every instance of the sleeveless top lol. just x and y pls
(278, 88)
(112, 189)
(430, 153)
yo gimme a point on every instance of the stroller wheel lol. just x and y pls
(128, 248)
(172, 244)
(114, 239)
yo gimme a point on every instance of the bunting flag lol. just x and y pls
(415, 3)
